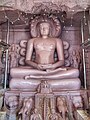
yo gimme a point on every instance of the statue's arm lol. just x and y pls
(29, 52)
(60, 53)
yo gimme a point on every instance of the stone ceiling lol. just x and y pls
(20, 11)
(34, 6)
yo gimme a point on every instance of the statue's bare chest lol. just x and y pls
(46, 44)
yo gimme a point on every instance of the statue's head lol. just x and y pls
(44, 28)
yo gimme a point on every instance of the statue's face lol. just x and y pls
(44, 29)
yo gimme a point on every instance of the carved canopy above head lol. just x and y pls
(55, 26)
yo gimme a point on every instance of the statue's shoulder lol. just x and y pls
(31, 40)
(58, 40)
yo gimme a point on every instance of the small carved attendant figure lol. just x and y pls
(26, 108)
(36, 115)
(0, 57)
(75, 59)
(12, 103)
(44, 87)
(1, 65)
(77, 102)
(62, 107)
(13, 55)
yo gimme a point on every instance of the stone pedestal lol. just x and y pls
(45, 102)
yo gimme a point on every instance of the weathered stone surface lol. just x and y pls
(28, 5)
(2, 115)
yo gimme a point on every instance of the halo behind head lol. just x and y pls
(55, 26)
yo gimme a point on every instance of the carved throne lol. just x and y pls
(32, 84)
(45, 94)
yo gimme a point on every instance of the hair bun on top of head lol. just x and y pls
(55, 26)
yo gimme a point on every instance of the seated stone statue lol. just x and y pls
(44, 67)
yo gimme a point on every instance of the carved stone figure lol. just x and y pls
(0, 57)
(1, 67)
(13, 55)
(26, 109)
(44, 87)
(62, 107)
(77, 102)
(36, 115)
(12, 103)
(75, 58)
(44, 67)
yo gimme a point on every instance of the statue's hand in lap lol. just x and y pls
(47, 66)
(50, 67)
(39, 67)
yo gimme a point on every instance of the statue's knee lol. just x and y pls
(12, 72)
(78, 83)
(75, 72)
(12, 83)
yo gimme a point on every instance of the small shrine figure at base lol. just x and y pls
(44, 87)
(26, 109)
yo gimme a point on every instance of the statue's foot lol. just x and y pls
(36, 77)
(56, 70)
(33, 76)
(27, 77)
(49, 70)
